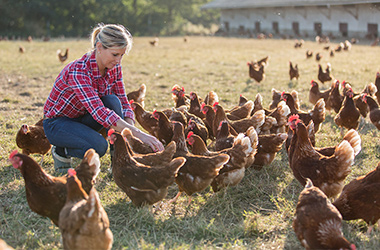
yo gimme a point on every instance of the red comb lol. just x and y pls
(131, 101)
(111, 131)
(298, 121)
(190, 134)
(14, 152)
(72, 172)
(183, 89)
(215, 103)
(344, 82)
(174, 88)
(203, 105)
(155, 111)
(293, 117)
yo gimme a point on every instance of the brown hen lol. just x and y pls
(198, 171)
(144, 184)
(327, 172)
(358, 199)
(46, 194)
(317, 223)
(32, 139)
(83, 222)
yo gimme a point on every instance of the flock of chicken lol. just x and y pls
(247, 135)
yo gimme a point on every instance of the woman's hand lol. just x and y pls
(152, 141)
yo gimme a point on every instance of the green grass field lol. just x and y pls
(256, 214)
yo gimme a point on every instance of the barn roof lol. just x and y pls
(240, 4)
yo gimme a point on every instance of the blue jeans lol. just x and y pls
(75, 136)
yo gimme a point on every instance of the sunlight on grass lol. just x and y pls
(256, 214)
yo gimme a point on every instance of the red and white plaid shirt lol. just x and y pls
(78, 89)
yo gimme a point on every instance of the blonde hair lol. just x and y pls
(112, 35)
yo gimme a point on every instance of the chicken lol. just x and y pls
(83, 222)
(164, 130)
(63, 57)
(242, 153)
(293, 119)
(281, 114)
(309, 54)
(242, 100)
(179, 96)
(224, 138)
(32, 139)
(145, 118)
(138, 95)
(339, 47)
(198, 128)
(317, 114)
(317, 223)
(348, 115)
(327, 172)
(264, 61)
(315, 94)
(144, 184)
(374, 111)
(377, 84)
(46, 194)
(154, 42)
(347, 45)
(135, 143)
(318, 56)
(198, 171)
(258, 105)
(209, 119)
(293, 71)
(358, 199)
(277, 97)
(21, 49)
(178, 116)
(268, 147)
(211, 98)
(324, 76)
(240, 126)
(195, 105)
(299, 44)
(332, 54)
(240, 112)
(335, 98)
(256, 72)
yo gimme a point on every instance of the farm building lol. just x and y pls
(340, 18)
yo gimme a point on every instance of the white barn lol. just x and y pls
(340, 18)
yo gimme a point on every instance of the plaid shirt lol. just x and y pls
(78, 89)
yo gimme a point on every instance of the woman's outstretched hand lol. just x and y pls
(152, 141)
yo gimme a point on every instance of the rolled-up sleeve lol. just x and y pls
(119, 91)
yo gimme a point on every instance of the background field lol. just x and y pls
(257, 214)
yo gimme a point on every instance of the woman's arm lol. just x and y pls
(152, 141)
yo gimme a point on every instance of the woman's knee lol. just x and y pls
(100, 147)
(113, 102)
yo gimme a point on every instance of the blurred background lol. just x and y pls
(72, 18)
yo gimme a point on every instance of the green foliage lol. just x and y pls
(73, 18)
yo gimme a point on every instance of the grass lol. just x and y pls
(256, 214)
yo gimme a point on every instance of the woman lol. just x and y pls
(89, 95)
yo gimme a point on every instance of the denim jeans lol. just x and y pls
(75, 136)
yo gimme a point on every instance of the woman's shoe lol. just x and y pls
(61, 164)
